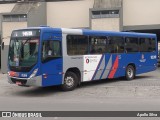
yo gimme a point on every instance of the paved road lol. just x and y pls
(143, 93)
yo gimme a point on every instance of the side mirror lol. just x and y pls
(2, 45)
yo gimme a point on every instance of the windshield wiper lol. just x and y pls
(22, 46)
(25, 42)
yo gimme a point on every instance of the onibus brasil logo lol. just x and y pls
(21, 114)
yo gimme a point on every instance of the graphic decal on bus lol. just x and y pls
(107, 68)
(114, 68)
(99, 68)
(142, 58)
(102, 67)
(90, 64)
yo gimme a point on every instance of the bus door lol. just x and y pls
(51, 57)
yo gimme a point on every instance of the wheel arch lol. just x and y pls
(132, 64)
(76, 71)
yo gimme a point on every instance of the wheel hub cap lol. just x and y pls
(69, 81)
(130, 72)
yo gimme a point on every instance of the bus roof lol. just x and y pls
(132, 34)
(91, 32)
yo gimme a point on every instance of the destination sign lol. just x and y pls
(26, 33)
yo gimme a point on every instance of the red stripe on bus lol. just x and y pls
(114, 68)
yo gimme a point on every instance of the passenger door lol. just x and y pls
(51, 58)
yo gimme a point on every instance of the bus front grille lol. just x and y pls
(14, 80)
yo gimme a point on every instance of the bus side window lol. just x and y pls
(97, 44)
(152, 45)
(77, 45)
(131, 44)
(56, 49)
(51, 49)
(147, 45)
(115, 44)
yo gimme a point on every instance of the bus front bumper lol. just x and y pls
(36, 81)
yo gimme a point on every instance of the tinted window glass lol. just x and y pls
(50, 49)
(77, 45)
(131, 45)
(115, 45)
(152, 45)
(147, 45)
(97, 44)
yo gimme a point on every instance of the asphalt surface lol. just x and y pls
(141, 94)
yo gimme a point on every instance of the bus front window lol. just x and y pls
(23, 52)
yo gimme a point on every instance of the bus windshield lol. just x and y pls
(23, 52)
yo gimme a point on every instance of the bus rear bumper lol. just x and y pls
(36, 81)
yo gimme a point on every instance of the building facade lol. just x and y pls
(112, 15)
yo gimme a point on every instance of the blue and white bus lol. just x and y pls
(45, 56)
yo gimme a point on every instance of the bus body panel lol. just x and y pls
(52, 70)
(91, 66)
(71, 62)
(25, 77)
(147, 62)
(120, 61)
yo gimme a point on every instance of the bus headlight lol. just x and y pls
(34, 73)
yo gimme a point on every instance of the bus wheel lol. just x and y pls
(70, 81)
(130, 72)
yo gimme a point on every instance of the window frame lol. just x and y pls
(99, 37)
(126, 45)
(49, 58)
(108, 37)
(67, 45)
(149, 38)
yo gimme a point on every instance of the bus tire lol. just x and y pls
(70, 81)
(130, 72)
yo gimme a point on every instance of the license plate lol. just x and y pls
(18, 83)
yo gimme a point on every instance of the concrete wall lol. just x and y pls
(69, 14)
(5, 8)
(38, 16)
(8, 27)
(111, 24)
(141, 12)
